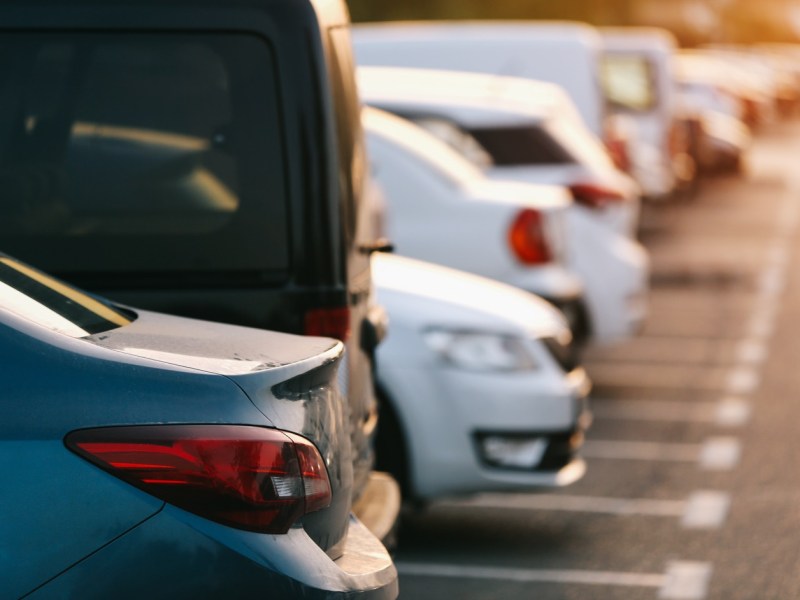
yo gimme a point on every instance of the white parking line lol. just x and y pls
(580, 504)
(716, 454)
(612, 578)
(703, 510)
(706, 510)
(683, 580)
(772, 281)
(654, 410)
(624, 450)
(720, 454)
(779, 254)
(742, 381)
(686, 581)
(733, 412)
(752, 352)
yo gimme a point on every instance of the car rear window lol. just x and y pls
(524, 145)
(141, 153)
(53, 304)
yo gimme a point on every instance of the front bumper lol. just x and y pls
(443, 410)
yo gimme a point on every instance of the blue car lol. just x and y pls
(151, 456)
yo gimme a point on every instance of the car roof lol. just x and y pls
(531, 31)
(478, 98)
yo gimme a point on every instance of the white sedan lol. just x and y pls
(443, 209)
(479, 390)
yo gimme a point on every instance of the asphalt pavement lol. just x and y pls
(692, 490)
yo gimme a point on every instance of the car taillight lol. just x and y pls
(246, 477)
(595, 196)
(328, 322)
(527, 238)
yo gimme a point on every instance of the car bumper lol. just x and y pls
(446, 413)
(178, 555)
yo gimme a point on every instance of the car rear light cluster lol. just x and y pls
(246, 477)
(328, 322)
(527, 238)
(595, 196)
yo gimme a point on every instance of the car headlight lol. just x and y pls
(480, 351)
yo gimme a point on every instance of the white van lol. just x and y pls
(638, 82)
(564, 53)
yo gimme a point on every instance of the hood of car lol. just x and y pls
(213, 347)
(428, 295)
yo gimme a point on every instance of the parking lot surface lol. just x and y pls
(691, 491)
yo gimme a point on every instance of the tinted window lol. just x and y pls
(141, 153)
(629, 82)
(53, 304)
(517, 146)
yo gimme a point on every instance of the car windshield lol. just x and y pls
(53, 304)
(629, 82)
(141, 153)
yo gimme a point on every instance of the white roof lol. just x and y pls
(479, 99)
(520, 29)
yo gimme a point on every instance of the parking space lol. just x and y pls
(687, 482)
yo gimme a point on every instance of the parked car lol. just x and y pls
(637, 80)
(612, 267)
(481, 392)
(162, 457)
(199, 160)
(440, 208)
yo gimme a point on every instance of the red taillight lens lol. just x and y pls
(527, 238)
(595, 196)
(246, 477)
(328, 322)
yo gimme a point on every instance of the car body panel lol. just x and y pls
(151, 369)
(441, 407)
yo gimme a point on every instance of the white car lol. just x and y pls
(478, 388)
(636, 73)
(442, 209)
(613, 267)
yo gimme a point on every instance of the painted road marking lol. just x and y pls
(752, 352)
(720, 454)
(706, 510)
(624, 450)
(612, 578)
(733, 412)
(580, 504)
(742, 381)
(702, 510)
(683, 580)
(686, 581)
(716, 454)
(729, 412)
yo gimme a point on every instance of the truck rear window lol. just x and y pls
(141, 153)
(39, 298)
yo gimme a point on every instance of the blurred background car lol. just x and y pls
(162, 457)
(637, 80)
(612, 268)
(481, 392)
(442, 209)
